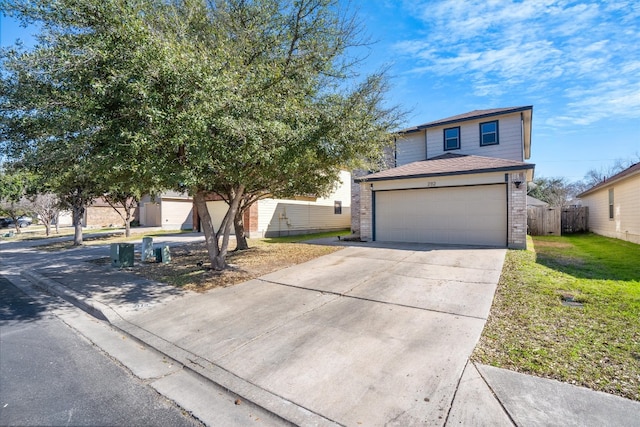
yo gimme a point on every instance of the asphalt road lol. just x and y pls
(49, 375)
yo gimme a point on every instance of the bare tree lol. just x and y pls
(597, 175)
(47, 207)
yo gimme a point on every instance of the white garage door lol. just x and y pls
(177, 214)
(475, 215)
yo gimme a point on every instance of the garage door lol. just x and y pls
(474, 215)
(177, 214)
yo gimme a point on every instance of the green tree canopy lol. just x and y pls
(243, 98)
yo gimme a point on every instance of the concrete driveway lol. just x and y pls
(364, 336)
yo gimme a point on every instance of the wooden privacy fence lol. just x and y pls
(543, 221)
(575, 220)
(548, 221)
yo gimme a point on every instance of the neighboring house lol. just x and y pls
(170, 210)
(459, 180)
(614, 205)
(532, 202)
(301, 215)
(101, 214)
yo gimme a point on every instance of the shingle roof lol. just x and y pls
(631, 170)
(447, 164)
(471, 115)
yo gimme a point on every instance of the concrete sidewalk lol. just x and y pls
(364, 336)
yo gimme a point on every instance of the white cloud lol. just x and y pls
(584, 55)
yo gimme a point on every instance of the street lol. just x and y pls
(50, 375)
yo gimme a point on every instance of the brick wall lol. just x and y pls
(251, 219)
(366, 212)
(355, 201)
(517, 232)
(105, 216)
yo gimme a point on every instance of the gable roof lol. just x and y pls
(527, 116)
(627, 173)
(471, 115)
(446, 165)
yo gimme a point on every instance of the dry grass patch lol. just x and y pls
(552, 244)
(189, 266)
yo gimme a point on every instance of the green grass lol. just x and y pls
(596, 345)
(303, 237)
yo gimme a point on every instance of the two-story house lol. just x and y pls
(460, 180)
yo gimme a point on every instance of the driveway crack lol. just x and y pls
(344, 295)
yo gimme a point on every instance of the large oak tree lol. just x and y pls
(242, 98)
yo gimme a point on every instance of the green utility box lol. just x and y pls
(121, 255)
(163, 255)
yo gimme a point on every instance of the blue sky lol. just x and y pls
(577, 63)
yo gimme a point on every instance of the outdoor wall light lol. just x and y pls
(517, 183)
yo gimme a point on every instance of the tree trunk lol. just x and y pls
(78, 212)
(210, 240)
(238, 225)
(47, 226)
(58, 223)
(233, 208)
(127, 202)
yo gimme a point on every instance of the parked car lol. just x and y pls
(4, 222)
(23, 221)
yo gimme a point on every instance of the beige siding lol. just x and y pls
(280, 217)
(626, 222)
(283, 217)
(509, 137)
(410, 148)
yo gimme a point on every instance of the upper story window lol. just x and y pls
(489, 133)
(611, 203)
(452, 138)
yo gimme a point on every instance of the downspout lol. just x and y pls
(395, 152)
(506, 180)
(522, 134)
(373, 214)
(426, 146)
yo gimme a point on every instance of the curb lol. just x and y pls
(95, 308)
(277, 406)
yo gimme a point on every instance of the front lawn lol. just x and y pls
(189, 266)
(569, 310)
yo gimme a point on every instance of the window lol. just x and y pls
(489, 133)
(611, 203)
(452, 139)
(337, 207)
